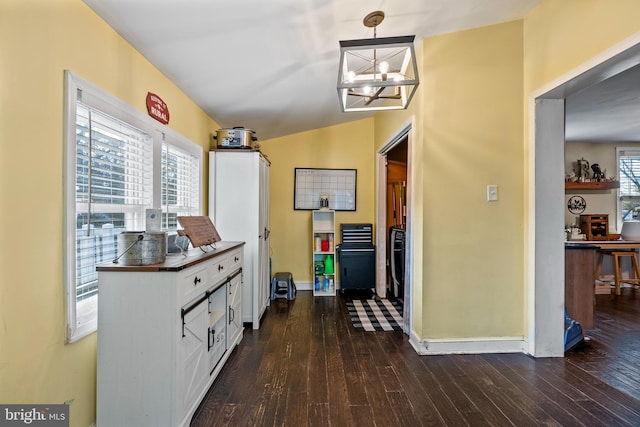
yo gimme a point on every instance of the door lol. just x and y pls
(192, 374)
(234, 314)
(264, 273)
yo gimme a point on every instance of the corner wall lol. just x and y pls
(346, 146)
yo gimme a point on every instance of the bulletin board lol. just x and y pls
(338, 184)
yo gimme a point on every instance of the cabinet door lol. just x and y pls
(234, 316)
(263, 274)
(192, 374)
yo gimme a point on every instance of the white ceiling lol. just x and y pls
(272, 65)
(606, 112)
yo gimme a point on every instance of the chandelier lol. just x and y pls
(378, 73)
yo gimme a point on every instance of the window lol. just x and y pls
(629, 177)
(180, 184)
(119, 163)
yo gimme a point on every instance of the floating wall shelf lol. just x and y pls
(595, 185)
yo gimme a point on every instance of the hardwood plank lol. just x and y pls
(308, 366)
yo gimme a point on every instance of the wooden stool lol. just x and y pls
(617, 256)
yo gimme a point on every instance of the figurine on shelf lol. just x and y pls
(572, 176)
(597, 173)
(583, 166)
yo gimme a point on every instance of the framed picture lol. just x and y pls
(339, 185)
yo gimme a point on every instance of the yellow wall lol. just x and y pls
(472, 138)
(347, 146)
(560, 35)
(467, 134)
(38, 41)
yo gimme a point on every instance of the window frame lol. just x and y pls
(100, 100)
(623, 151)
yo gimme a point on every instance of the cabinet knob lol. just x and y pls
(220, 267)
(196, 281)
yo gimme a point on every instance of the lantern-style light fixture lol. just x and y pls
(377, 73)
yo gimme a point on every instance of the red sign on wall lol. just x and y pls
(157, 108)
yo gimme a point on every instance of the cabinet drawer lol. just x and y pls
(219, 269)
(235, 260)
(194, 283)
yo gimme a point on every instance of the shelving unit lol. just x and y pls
(323, 225)
(595, 185)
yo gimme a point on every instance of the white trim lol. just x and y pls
(530, 227)
(467, 346)
(381, 227)
(403, 130)
(598, 60)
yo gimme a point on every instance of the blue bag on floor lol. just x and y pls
(572, 332)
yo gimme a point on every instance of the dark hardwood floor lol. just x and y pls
(307, 366)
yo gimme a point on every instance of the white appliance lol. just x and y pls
(239, 209)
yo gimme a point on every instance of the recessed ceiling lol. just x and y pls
(272, 66)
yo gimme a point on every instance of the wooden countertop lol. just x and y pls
(176, 261)
(603, 244)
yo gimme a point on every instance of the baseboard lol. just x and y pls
(467, 346)
(303, 286)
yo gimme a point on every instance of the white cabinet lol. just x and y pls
(239, 208)
(323, 224)
(164, 333)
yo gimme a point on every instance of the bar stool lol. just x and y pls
(617, 257)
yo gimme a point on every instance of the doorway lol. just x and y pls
(545, 252)
(393, 222)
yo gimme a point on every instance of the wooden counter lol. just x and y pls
(579, 284)
(175, 261)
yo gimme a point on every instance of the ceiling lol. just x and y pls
(608, 111)
(272, 66)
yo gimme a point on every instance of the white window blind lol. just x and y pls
(180, 185)
(114, 181)
(629, 167)
(629, 178)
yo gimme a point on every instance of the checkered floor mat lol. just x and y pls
(375, 315)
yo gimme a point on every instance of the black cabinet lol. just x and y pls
(357, 268)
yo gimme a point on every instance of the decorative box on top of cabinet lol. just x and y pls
(164, 333)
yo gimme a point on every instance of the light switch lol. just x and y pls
(492, 193)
